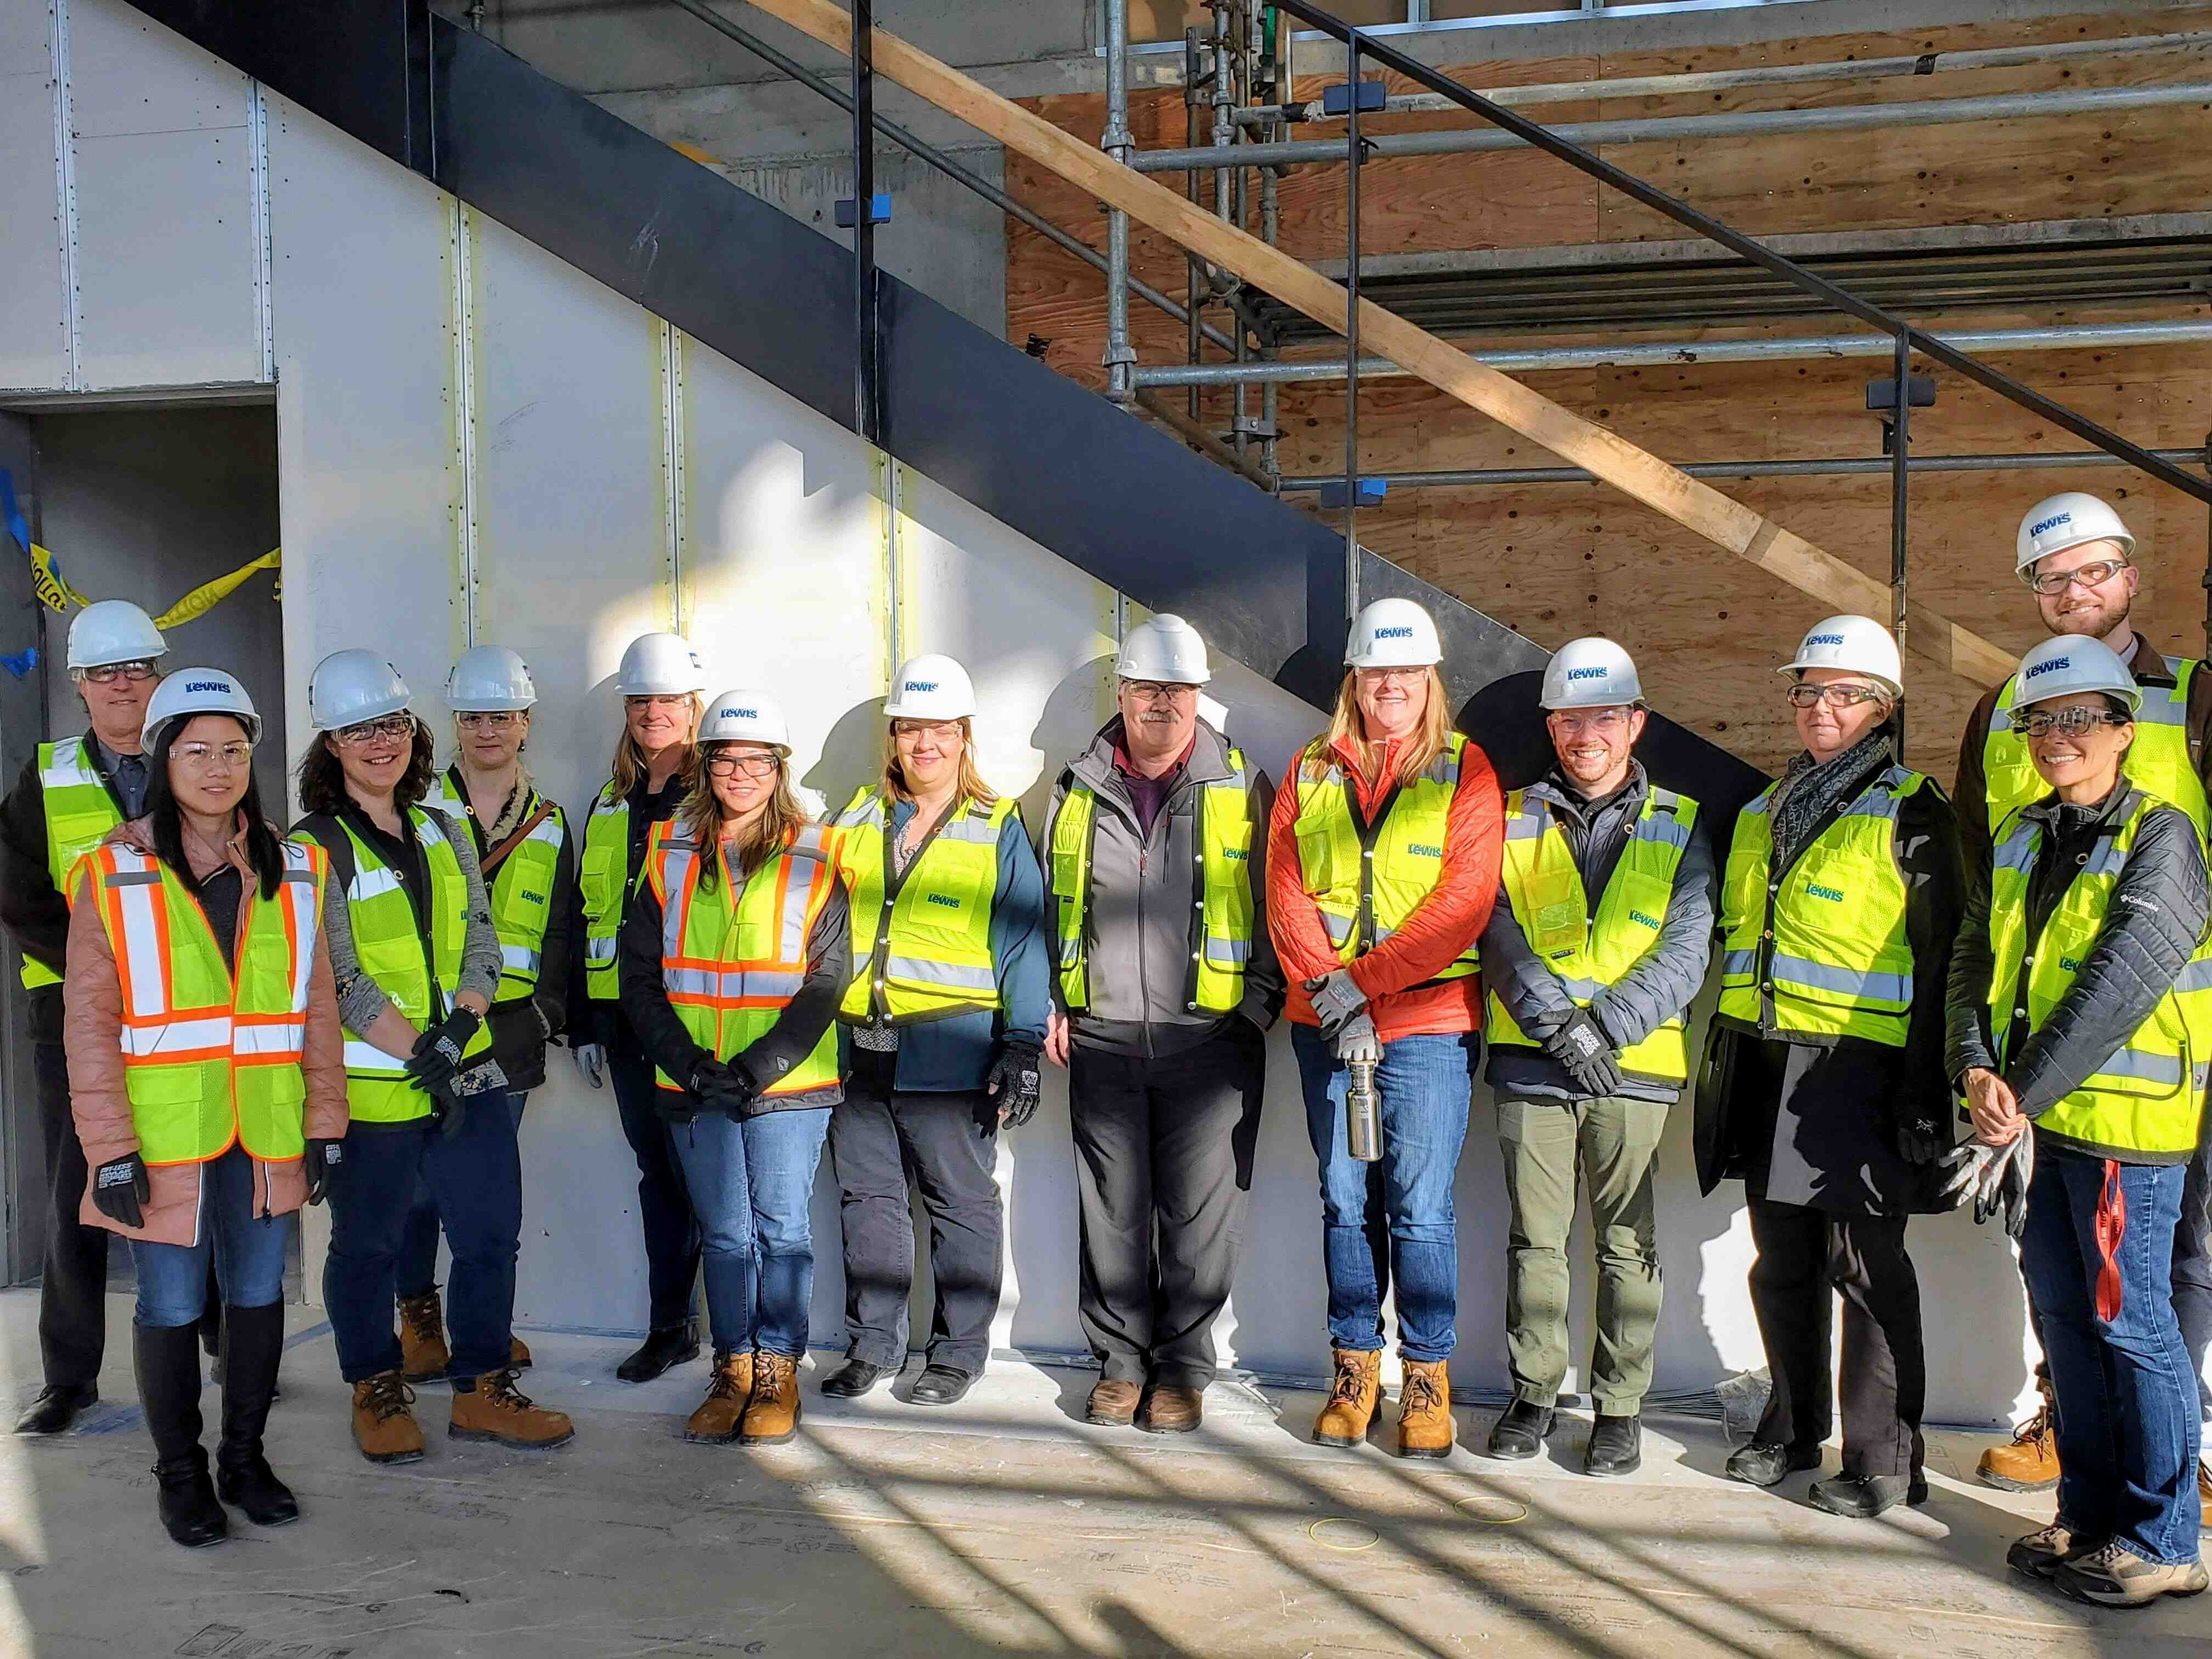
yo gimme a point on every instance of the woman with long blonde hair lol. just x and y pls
(1383, 861)
(661, 681)
(734, 953)
(946, 1010)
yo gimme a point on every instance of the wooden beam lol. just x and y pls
(1720, 519)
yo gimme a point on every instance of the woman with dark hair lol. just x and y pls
(416, 960)
(735, 951)
(206, 1081)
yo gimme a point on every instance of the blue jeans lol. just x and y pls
(247, 1251)
(2126, 1391)
(751, 1181)
(1393, 1215)
(476, 1179)
(416, 1270)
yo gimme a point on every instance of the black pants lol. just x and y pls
(1802, 1254)
(73, 1291)
(1163, 1161)
(943, 1145)
(663, 1207)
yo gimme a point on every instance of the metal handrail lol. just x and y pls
(1746, 247)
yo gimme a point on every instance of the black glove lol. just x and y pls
(448, 1110)
(120, 1189)
(322, 1155)
(1581, 1046)
(724, 1086)
(437, 1053)
(1923, 1139)
(1016, 1083)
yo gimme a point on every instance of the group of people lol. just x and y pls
(235, 1022)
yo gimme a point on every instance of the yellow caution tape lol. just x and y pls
(58, 594)
(55, 590)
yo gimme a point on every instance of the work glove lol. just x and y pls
(591, 1061)
(1356, 1041)
(120, 1189)
(437, 1055)
(1581, 1046)
(1923, 1140)
(1335, 998)
(322, 1157)
(723, 1086)
(1995, 1178)
(448, 1110)
(1015, 1082)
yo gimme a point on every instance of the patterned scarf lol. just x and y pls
(1810, 790)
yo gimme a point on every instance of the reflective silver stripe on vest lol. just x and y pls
(180, 1036)
(1339, 928)
(1845, 981)
(366, 1058)
(1527, 825)
(372, 883)
(286, 1037)
(2018, 849)
(2148, 1068)
(972, 827)
(807, 855)
(679, 853)
(599, 950)
(944, 975)
(1071, 952)
(1877, 800)
(2196, 975)
(2162, 706)
(2106, 859)
(1662, 827)
(1227, 953)
(1739, 962)
(69, 767)
(734, 985)
(518, 959)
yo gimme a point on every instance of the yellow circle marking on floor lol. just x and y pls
(1352, 1529)
(1492, 1511)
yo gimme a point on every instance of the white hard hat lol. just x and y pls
(1591, 673)
(114, 630)
(743, 716)
(1393, 633)
(2060, 667)
(1167, 650)
(660, 665)
(489, 677)
(349, 686)
(200, 692)
(930, 688)
(1857, 644)
(2058, 522)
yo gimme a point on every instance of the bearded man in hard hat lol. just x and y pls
(2077, 557)
(69, 795)
(1597, 944)
(1824, 1089)
(2081, 1002)
(1166, 986)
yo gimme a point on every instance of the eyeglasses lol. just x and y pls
(658, 700)
(108, 672)
(1606, 722)
(755, 767)
(212, 756)
(941, 731)
(2095, 574)
(1391, 675)
(399, 728)
(2073, 721)
(487, 720)
(1844, 694)
(1160, 691)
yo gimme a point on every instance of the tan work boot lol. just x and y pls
(729, 1391)
(2030, 1463)
(495, 1410)
(772, 1417)
(518, 1354)
(1172, 1411)
(1352, 1398)
(1113, 1403)
(424, 1355)
(2116, 1576)
(384, 1426)
(1425, 1428)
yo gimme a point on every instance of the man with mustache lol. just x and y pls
(2077, 557)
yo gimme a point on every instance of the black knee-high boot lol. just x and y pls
(253, 1342)
(167, 1360)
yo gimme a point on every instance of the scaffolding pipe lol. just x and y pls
(1869, 466)
(1120, 355)
(937, 159)
(1663, 86)
(1990, 341)
(1850, 118)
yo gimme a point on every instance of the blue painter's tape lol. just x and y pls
(17, 526)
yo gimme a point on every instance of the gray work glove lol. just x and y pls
(1356, 1041)
(1335, 998)
(591, 1061)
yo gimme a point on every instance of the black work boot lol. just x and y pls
(167, 1360)
(253, 1341)
(854, 1379)
(57, 1408)
(671, 1345)
(1616, 1445)
(1862, 1497)
(1519, 1434)
(1767, 1463)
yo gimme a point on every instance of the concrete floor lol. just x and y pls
(1004, 1524)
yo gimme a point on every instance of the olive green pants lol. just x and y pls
(1613, 1144)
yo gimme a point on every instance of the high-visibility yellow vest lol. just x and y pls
(393, 954)
(1221, 914)
(80, 813)
(2148, 1097)
(603, 875)
(1587, 951)
(210, 1057)
(927, 951)
(1820, 952)
(2157, 762)
(1367, 883)
(731, 962)
(522, 891)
